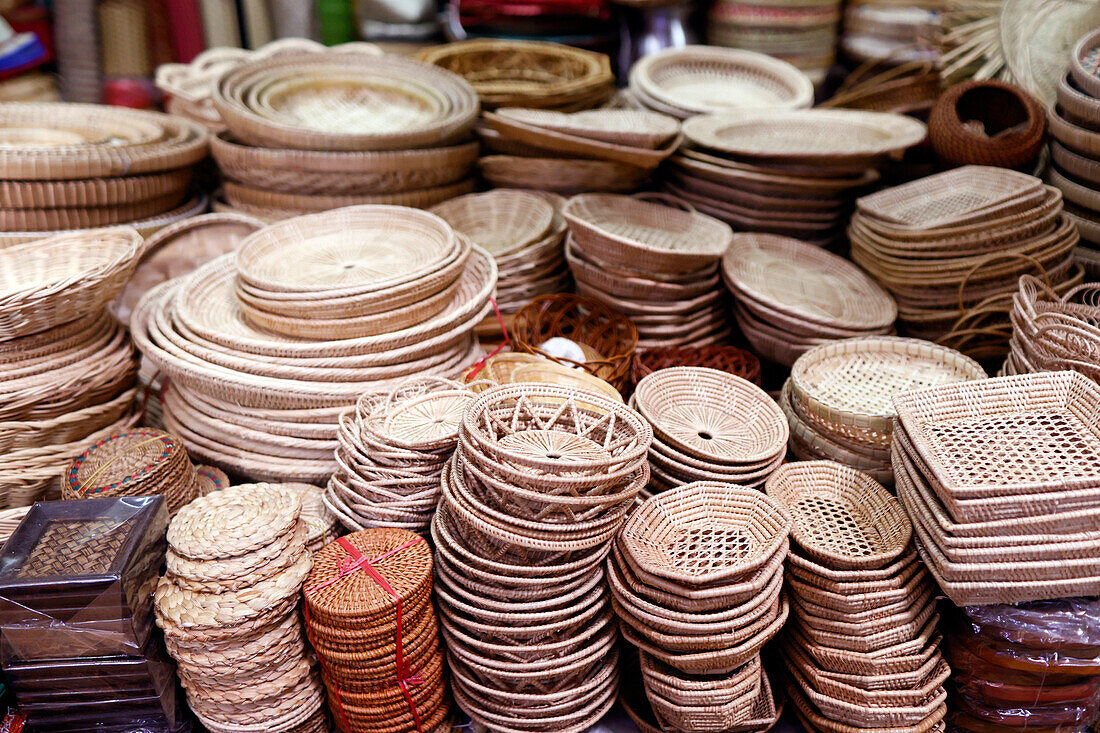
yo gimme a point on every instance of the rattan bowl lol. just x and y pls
(987, 123)
(730, 359)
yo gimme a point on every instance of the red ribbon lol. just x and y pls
(481, 364)
(358, 561)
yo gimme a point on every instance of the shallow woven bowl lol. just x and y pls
(499, 221)
(610, 336)
(842, 518)
(704, 533)
(987, 123)
(622, 230)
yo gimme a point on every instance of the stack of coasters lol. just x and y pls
(78, 642)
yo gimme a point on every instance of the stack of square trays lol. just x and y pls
(78, 643)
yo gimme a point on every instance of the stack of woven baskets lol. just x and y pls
(798, 180)
(309, 132)
(528, 74)
(838, 400)
(229, 609)
(863, 649)
(695, 80)
(655, 263)
(951, 247)
(67, 368)
(1018, 664)
(523, 231)
(737, 362)
(597, 150)
(696, 580)
(999, 477)
(266, 406)
(790, 296)
(578, 332)
(392, 451)
(1075, 149)
(800, 32)
(709, 426)
(1051, 333)
(541, 482)
(369, 616)
(140, 462)
(77, 166)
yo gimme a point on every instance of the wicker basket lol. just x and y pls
(730, 359)
(987, 123)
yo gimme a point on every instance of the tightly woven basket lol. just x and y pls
(609, 336)
(730, 359)
(987, 123)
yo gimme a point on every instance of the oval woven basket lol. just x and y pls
(610, 336)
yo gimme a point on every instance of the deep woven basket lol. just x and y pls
(730, 359)
(608, 333)
(987, 123)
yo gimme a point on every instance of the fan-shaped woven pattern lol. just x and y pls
(359, 248)
(806, 281)
(805, 134)
(429, 419)
(554, 445)
(234, 521)
(701, 79)
(59, 279)
(499, 221)
(971, 435)
(703, 532)
(842, 518)
(854, 380)
(712, 415)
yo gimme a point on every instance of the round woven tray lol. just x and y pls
(561, 175)
(501, 222)
(627, 127)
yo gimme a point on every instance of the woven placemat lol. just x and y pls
(234, 521)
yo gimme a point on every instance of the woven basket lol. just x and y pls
(566, 176)
(610, 337)
(987, 123)
(631, 128)
(730, 359)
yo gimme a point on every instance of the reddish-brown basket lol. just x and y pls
(1009, 129)
(730, 359)
(608, 338)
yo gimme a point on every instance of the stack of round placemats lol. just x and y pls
(218, 361)
(796, 179)
(524, 232)
(1074, 124)
(951, 247)
(322, 526)
(694, 80)
(800, 32)
(392, 451)
(369, 616)
(528, 74)
(863, 648)
(137, 462)
(653, 262)
(696, 578)
(317, 131)
(540, 484)
(67, 367)
(229, 609)
(838, 399)
(709, 425)
(596, 150)
(74, 166)
(1052, 333)
(791, 296)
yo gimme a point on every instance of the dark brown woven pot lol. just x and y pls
(987, 123)
(730, 359)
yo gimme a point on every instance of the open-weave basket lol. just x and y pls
(730, 359)
(610, 336)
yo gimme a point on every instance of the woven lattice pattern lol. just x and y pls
(76, 548)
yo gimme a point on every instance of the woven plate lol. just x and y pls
(356, 250)
(842, 518)
(712, 415)
(703, 533)
(500, 222)
(337, 102)
(805, 135)
(853, 381)
(57, 280)
(806, 282)
(701, 79)
(634, 128)
(234, 521)
(621, 230)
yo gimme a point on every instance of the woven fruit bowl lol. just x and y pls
(607, 337)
